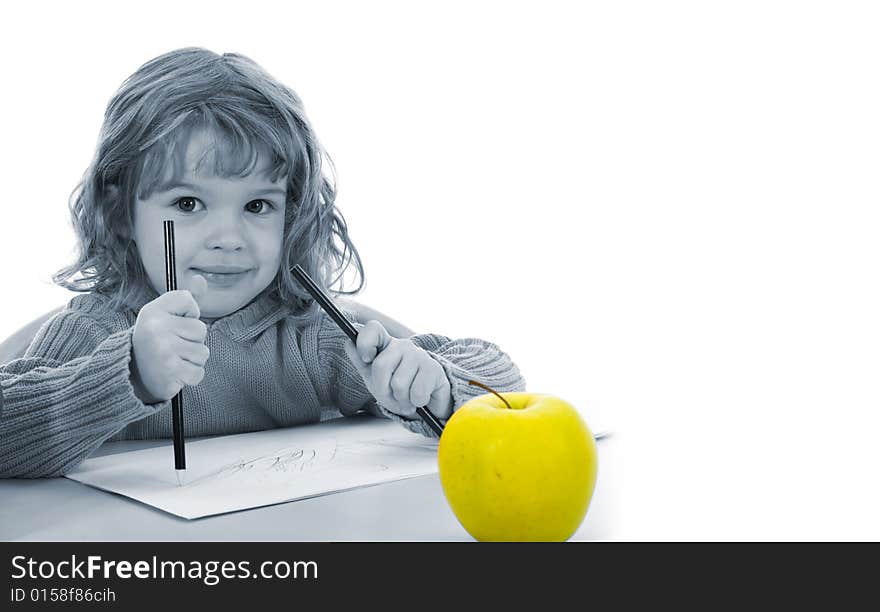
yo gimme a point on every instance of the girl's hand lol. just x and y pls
(168, 345)
(400, 375)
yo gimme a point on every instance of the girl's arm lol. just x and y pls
(69, 393)
(462, 360)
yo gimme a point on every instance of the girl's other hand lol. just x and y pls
(168, 345)
(400, 375)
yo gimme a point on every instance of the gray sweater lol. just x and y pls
(71, 391)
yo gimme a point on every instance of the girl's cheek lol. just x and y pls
(276, 240)
(275, 257)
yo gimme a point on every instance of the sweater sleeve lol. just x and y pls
(68, 394)
(462, 360)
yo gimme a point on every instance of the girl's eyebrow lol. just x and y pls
(184, 185)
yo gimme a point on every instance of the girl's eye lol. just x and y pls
(189, 204)
(257, 206)
(186, 204)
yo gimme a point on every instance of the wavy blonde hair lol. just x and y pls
(146, 127)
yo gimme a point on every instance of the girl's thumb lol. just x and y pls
(198, 287)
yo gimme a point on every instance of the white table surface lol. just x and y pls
(60, 509)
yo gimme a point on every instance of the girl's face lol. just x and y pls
(228, 230)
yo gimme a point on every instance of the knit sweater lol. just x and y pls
(72, 390)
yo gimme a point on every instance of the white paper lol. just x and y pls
(237, 472)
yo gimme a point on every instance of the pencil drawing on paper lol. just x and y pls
(280, 465)
(295, 462)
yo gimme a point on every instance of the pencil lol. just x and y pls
(177, 400)
(349, 329)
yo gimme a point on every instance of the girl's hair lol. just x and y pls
(146, 128)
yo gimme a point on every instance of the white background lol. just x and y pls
(667, 213)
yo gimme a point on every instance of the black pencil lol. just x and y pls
(349, 329)
(177, 400)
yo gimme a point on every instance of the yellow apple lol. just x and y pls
(521, 468)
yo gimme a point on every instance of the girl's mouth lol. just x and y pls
(222, 279)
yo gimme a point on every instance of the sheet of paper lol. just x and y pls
(230, 473)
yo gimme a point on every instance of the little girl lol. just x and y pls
(217, 145)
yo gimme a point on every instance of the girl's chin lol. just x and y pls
(210, 311)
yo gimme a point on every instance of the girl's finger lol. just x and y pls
(356, 360)
(193, 330)
(189, 374)
(194, 352)
(422, 388)
(402, 379)
(198, 287)
(383, 366)
(372, 339)
(179, 302)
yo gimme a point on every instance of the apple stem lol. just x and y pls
(473, 382)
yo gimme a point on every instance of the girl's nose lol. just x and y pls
(225, 234)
